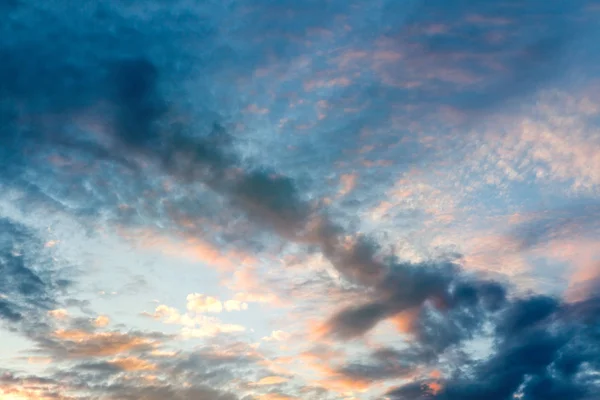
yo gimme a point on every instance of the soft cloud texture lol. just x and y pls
(299, 200)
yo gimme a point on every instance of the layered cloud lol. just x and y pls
(322, 200)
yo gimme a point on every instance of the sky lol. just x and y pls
(282, 200)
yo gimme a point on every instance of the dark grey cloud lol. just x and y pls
(411, 391)
(407, 286)
(543, 350)
(541, 345)
(385, 364)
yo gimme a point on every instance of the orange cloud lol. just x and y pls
(435, 387)
(84, 344)
(276, 396)
(435, 374)
(190, 248)
(14, 393)
(247, 282)
(60, 314)
(133, 364)
(101, 321)
(39, 360)
(271, 380)
(32, 389)
(405, 320)
(559, 144)
(336, 382)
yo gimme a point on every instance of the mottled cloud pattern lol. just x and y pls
(277, 200)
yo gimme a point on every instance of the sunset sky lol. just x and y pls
(299, 199)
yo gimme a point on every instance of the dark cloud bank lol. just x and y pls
(543, 348)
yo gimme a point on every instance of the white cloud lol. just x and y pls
(235, 305)
(200, 303)
(207, 327)
(278, 336)
(169, 315)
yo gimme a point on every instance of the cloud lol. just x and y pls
(77, 344)
(574, 220)
(491, 48)
(200, 303)
(169, 315)
(276, 396)
(101, 321)
(566, 235)
(209, 327)
(133, 364)
(59, 313)
(109, 90)
(527, 350)
(32, 387)
(454, 309)
(412, 391)
(271, 380)
(347, 183)
(406, 286)
(385, 364)
(235, 305)
(27, 291)
(188, 247)
(196, 325)
(278, 336)
(167, 392)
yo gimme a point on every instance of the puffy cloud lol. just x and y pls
(169, 315)
(101, 321)
(235, 305)
(200, 303)
(195, 324)
(279, 336)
